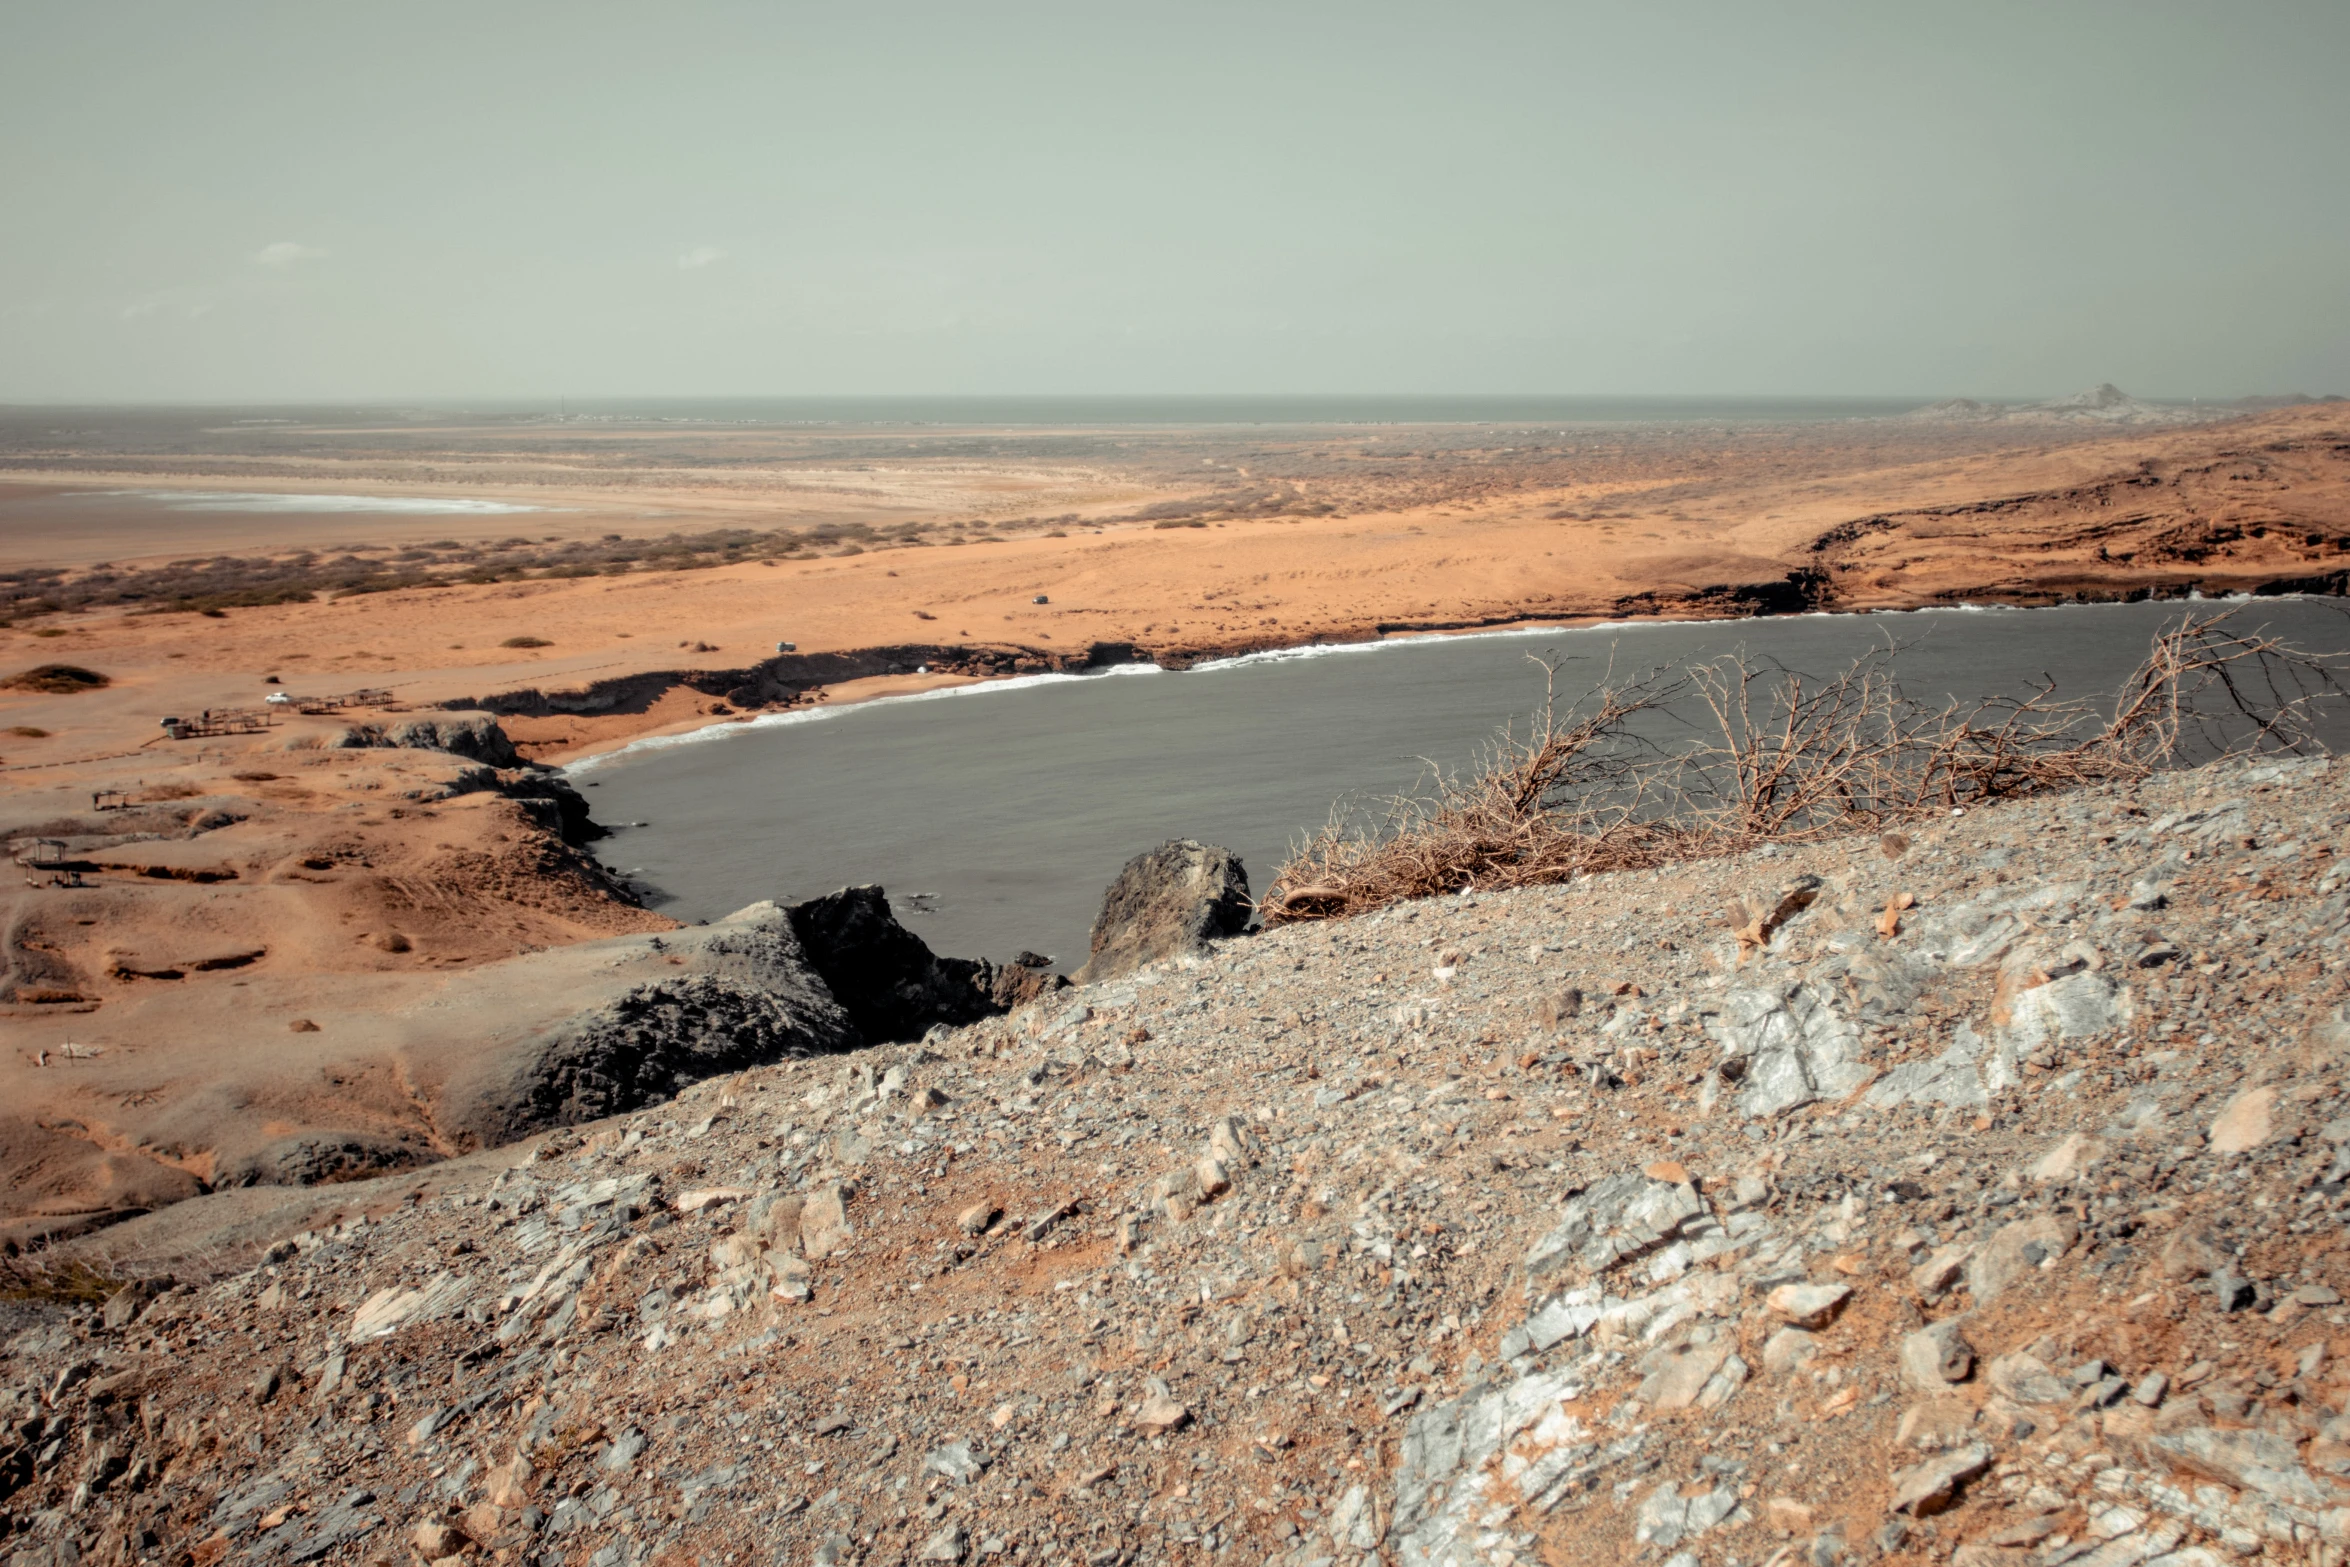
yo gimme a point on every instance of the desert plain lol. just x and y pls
(267, 956)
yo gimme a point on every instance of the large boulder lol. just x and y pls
(886, 978)
(735, 994)
(1169, 902)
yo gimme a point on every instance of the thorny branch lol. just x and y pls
(1771, 755)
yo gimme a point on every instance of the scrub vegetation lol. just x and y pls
(1727, 755)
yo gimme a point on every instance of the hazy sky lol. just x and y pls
(327, 199)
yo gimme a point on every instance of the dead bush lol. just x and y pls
(72, 1283)
(57, 679)
(1728, 754)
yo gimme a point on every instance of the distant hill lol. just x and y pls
(2288, 400)
(2101, 404)
(2104, 405)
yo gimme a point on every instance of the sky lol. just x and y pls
(329, 200)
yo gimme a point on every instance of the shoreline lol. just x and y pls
(886, 689)
(2259, 503)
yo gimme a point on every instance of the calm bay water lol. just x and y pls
(1015, 804)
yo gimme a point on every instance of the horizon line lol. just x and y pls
(556, 400)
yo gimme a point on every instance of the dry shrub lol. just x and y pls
(526, 641)
(58, 1283)
(57, 679)
(1765, 754)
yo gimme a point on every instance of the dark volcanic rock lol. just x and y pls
(609, 1027)
(474, 736)
(886, 977)
(750, 996)
(1173, 900)
(310, 1158)
(554, 803)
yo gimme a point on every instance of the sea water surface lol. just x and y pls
(269, 501)
(1011, 805)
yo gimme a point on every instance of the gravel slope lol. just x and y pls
(1561, 1226)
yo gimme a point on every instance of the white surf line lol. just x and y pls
(819, 714)
(811, 715)
(308, 503)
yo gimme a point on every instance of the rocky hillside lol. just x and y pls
(1975, 1197)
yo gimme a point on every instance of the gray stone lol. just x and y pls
(316, 1158)
(475, 736)
(1724, 1384)
(948, 1545)
(1954, 1078)
(1623, 1216)
(2016, 1250)
(1354, 1522)
(1667, 1517)
(620, 1458)
(1673, 1378)
(2249, 1460)
(2075, 1007)
(956, 1461)
(885, 977)
(2103, 1393)
(1927, 1488)
(1444, 1485)
(1935, 1356)
(742, 995)
(1559, 1320)
(1811, 1306)
(1787, 1350)
(2028, 1380)
(2233, 1292)
(1795, 1045)
(1168, 903)
(1161, 1412)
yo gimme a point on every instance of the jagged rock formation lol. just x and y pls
(476, 736)
(750, 996)
(2104, 403)
(886, 978)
